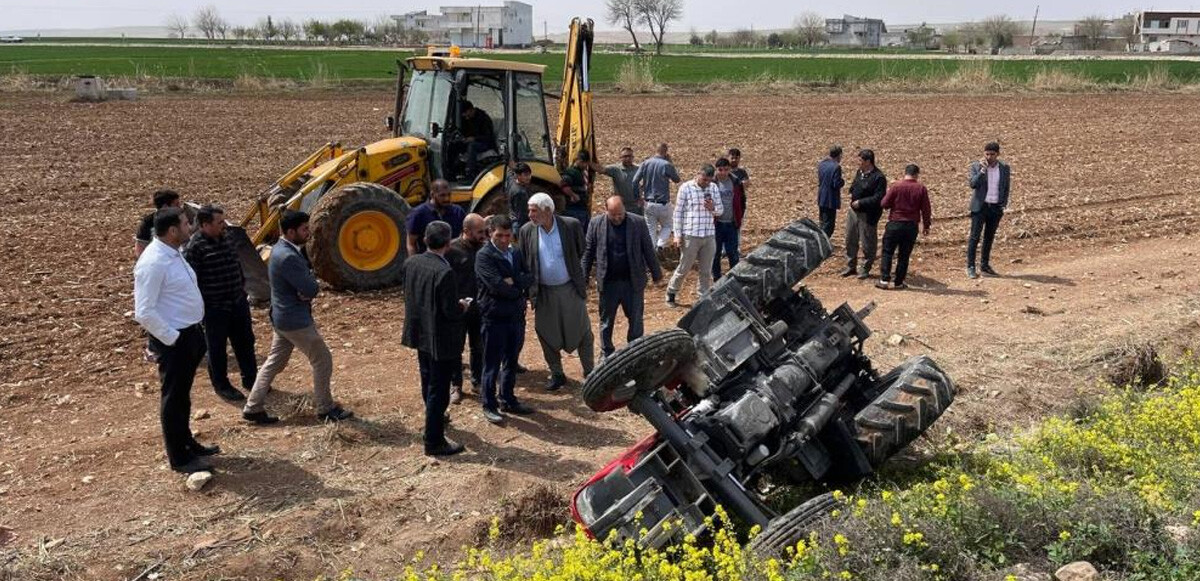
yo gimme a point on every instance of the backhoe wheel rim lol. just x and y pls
(369, 240)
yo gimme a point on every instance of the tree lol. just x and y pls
(625, 14)
(1126, 28)
(658, 14)
(317, 31)
(712, 38)
(346, 31)
(208, 21)
(920, 37)
(288, 30)
(1091, 28)
(177, 26)
(239, 32)
(267, 29)
(952, 39)
(810, 28)
(774, 40)
(999, 31)
(694, 38)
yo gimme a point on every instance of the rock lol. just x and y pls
(895, 340)
(1027, 285)
(1077, 571)
(1017, 261)
(1032, 310)
(88, 479)
(200, 414)
(197, 480)
(1179, 533)
(308, 455)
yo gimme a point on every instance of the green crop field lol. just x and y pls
(351, 64)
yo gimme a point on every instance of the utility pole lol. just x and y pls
(545, 31)
(1033, 31)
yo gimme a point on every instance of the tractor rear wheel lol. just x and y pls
(358, 237)
(773, 269)
(792, 527)
(911, 397)
(639, 367)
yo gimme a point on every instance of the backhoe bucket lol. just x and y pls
(254, 268)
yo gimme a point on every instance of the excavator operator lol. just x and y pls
(479, 133)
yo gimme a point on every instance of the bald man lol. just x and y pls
(461, 257)
(619, 245)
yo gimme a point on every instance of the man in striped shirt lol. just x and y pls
(698, 203)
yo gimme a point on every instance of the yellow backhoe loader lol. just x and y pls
(358, 198)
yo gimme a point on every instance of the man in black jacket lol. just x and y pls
(433, 325)
(619, 245)
(862, 221)
(226, 309)
(990, 180)
(462, 260)
(503, 281)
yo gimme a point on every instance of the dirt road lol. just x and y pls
(1097, 252)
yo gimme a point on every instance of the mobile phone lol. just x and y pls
(707, 196)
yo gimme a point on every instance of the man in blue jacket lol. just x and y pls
(293, 288)
(990, 180)
(503, 282)
(829, 188)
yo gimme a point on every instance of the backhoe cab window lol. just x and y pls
(481, 139)
(533, 139)
(427, 101)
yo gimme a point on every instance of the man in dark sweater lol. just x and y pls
(862, 221)
(226, 309)
(829, 189)
(462, 261)
(503, 281)
(618, 244)
(908, 202)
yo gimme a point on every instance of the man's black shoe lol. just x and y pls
(336, 414)
(556, 382)
(260, 418)
(196, 465)
(229, 393)
(199, 449)
(492, 416)
(520, 369)
(671, 300)
(519, 409)
(447, 448)
(900, 286)
(848, 272)
(864, 275)
(988, 271)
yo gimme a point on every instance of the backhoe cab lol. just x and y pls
(464, 120)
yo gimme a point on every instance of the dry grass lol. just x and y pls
(1156, 79)
(975, 76)
(636, 76)
(1061, 81)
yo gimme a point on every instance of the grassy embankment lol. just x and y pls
(330, 67)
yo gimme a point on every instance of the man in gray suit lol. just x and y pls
(293, 288)
(619, 245)
(990, 180)
(552, 247)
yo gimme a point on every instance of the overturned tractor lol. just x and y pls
(758, 379)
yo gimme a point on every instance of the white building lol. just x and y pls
(854, 31)
(1177, 32)
(510, 24)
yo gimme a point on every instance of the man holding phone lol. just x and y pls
(461, 256)
(990, 180)
(433, 325)
(698, 203)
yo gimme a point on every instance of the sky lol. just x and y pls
(700, 14)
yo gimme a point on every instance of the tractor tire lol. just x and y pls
(640, 367)
(792, 527)
(358, 237)
(913, 396)
(773, 269)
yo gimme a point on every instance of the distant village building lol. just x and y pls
(1174, 32)
(854, 31)
(508, 25)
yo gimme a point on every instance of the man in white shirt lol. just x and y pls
(167, 303)
(696, 207)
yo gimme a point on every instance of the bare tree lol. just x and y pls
(239, 32)
(177, 26)
(207, 20)
(952, 39)
(288, 30)
(1126, 28)
(658, 14)
(810, 27)
(267, 29)
(624, 13)
(999, 31)
(1091, 28)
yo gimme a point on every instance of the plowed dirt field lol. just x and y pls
(1098, 251)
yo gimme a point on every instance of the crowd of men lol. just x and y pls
(469, 280)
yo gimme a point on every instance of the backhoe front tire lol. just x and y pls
(913, 396)
(639, 367)
(358, 237)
